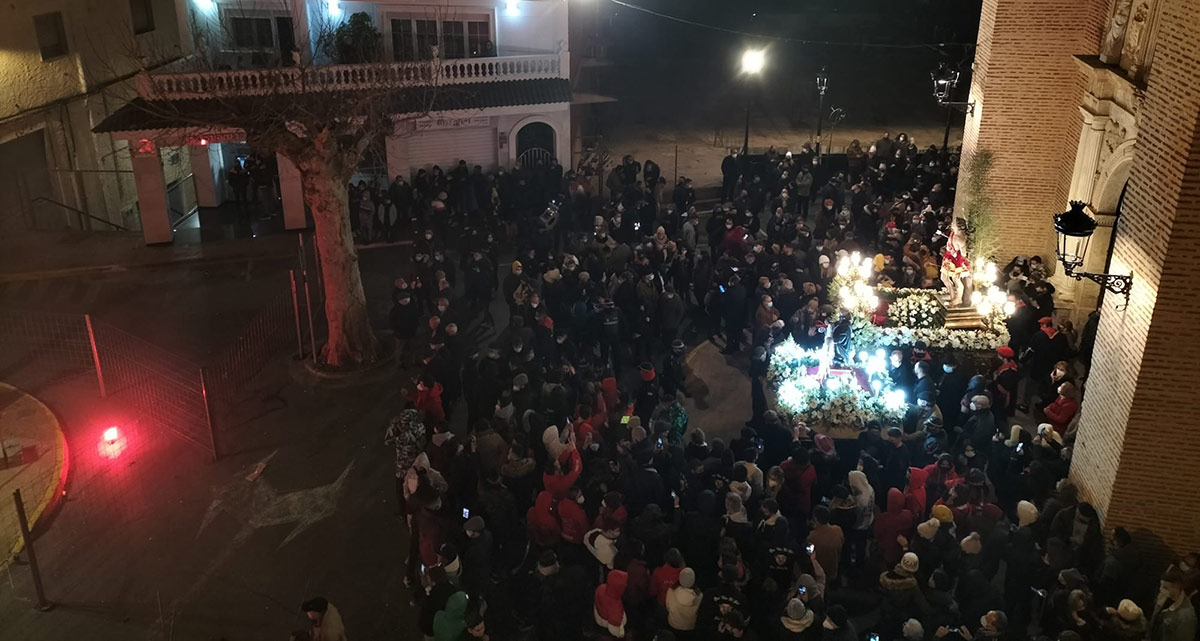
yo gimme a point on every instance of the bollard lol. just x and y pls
(23, 521)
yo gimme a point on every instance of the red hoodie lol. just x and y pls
(541, 522)
(429, 402)
(797, 490)
(574, 521)
(612, 397)
(895, 521)
(608, 598)
(914, 495)
(664, 578)
(558, 484)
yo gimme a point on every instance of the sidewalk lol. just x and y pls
(36, 254)
(31, 433)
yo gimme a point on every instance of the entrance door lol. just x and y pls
(535, 144)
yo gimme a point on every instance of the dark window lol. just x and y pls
(479, 39)
(453, 40)
(252, 33)
(402, 40)
(143, 15)
(426, 38)
(287, 40)
(51, 35)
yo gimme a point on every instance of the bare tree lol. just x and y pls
(322, 119)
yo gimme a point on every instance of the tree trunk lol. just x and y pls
(351, 342)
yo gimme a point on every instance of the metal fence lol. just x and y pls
(164, 391)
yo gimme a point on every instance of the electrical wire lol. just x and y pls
(878, 45)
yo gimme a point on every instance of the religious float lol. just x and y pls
(839, 387)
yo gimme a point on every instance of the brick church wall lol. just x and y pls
(1027, 89)
(1138, 454)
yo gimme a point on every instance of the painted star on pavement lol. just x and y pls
(255, 504)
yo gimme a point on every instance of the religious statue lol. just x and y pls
(1114, 40)
(956, 267)
(842, 339)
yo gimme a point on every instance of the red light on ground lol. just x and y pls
(112, 443)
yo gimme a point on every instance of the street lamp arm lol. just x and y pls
(968, 107)
(1120, 284)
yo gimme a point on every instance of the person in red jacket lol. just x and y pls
(799, 476)
(429, 400)
(562, 473)
(1063, 409)
(914, 494)
(896, 521)
(572, 518)
(666, 576)
(542, 522)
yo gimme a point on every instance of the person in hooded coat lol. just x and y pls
(683, 602)
(1079, 526)
(863, 496)
(1024, 564)
(896, 521)
(914, 494)
(797, 623)
(542, 524)
(608, 608)
(901, 593)
(449, 624)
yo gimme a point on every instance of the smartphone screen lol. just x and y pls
(466, 513)
(810, 548)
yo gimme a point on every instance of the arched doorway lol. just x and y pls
(535, 144)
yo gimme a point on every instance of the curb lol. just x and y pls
(51, 498)
(119, 269)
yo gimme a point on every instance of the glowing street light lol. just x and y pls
(753, 63)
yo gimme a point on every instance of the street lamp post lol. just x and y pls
(753, 61)
(945, 80)
(822, 85)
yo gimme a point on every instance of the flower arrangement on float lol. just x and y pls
(808, 390)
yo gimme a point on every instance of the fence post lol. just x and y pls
(296, 315)
(212, 432)
(87, 318)
(317, 266)
(312, 338)
(23, 521)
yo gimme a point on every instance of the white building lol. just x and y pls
(506, 60)
(66, 65)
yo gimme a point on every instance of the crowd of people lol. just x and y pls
(578, 498)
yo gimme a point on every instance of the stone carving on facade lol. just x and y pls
(1136, 36)
(1115, 134)
(1114, 41)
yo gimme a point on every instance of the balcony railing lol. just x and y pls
(257, 82)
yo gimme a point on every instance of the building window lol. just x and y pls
(415, 38)
(479, 39)
(426, 38)
(143, 15)
(402, 40)
(252, 33)
(51, 35)
(454, 42)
